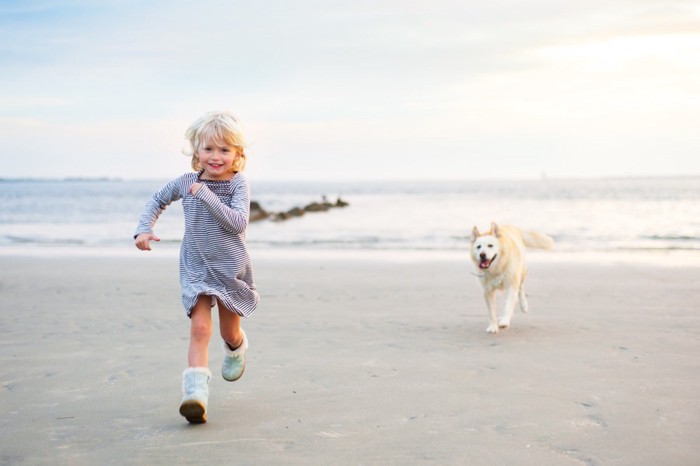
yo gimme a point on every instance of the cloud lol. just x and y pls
(405, 84)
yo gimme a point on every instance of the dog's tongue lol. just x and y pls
(484, 264)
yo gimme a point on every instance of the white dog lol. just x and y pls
(500, 256)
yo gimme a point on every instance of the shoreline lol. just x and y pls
(663, 258)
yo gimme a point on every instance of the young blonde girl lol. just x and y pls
(214, 264)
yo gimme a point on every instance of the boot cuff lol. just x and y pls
(197, 370)
(238, 351)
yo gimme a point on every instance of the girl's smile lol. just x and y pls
(217, 160)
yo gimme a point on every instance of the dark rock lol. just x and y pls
(257, 212)
(317, 207)
(280, 216)
(296, 212)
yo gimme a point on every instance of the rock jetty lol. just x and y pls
(257, 212)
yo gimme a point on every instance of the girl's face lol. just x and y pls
(217, 160)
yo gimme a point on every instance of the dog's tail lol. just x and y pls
(535, 240)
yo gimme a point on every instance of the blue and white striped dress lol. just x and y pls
(214, 259)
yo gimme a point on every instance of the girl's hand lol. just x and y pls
(143, 241)
(195, 187)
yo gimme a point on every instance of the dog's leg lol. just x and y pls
(490, 297)
(521, 296)
(509, 307)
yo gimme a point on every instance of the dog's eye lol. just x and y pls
(490, 245)
(478, 247)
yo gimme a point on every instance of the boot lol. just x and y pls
(234, 360)
(195, 388)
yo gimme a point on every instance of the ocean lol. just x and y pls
(601, 215)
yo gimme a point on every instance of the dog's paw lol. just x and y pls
(503, 323)
(492, 328)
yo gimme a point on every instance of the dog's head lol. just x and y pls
(485, 247)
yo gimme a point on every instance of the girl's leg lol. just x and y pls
(230, 327)
(200, 333)
(195, 379)
(235, 344)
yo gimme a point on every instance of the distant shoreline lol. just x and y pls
(663, 258)
(60, 180)
(377, 180)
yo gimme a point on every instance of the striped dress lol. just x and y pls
(214, 260)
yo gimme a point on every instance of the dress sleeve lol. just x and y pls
(233, 217)
(168, 194)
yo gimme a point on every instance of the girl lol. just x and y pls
(214, 264)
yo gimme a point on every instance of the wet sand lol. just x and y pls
(353, 360)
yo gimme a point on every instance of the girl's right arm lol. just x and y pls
(155, 206)
(143, 241)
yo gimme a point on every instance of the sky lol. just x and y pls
(354, 90)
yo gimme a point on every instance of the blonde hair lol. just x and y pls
(222, 128)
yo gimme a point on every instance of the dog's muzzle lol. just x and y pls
(485, 262)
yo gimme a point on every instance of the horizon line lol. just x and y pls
(543, 178)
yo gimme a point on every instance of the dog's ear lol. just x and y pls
(475, 234)
(494, 229)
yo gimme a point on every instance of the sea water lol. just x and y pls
(620, 214)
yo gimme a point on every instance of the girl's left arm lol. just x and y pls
(233, 217)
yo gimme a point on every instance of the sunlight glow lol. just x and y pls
(680, 50)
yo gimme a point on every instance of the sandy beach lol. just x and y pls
(353, 360)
